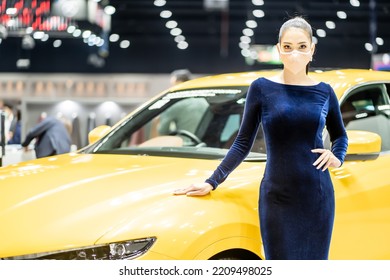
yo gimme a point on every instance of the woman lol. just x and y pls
(296, 204)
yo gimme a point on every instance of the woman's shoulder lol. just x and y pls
(326, 87)
(277, 80)
(261, 82)
(264, 79)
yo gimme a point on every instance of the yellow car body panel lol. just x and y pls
(134, 189)
(361, 140)
(362, 222)
(125, 197)
(341, 80)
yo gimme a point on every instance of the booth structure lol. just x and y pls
(84, 101)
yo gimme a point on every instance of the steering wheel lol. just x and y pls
(189, 135)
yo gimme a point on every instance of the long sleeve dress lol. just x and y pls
(296, 203)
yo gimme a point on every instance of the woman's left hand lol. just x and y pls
(326, 159)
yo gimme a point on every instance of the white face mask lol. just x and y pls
(295, 61)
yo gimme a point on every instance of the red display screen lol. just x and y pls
(16, 14)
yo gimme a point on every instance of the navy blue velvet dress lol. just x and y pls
(296, 204)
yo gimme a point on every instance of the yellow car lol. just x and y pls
(113, 199)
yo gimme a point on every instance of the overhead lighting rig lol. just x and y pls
(38, 20)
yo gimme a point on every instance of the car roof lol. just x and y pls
(341, 79)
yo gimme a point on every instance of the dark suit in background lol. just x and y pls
(52, 138)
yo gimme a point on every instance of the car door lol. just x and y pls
(362, 187)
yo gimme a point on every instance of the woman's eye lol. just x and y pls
(286, 47)
(303, 47)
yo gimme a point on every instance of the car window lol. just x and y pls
(231, 127)
(367, 108)
(191, 121)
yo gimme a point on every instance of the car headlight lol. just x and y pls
(113, 251)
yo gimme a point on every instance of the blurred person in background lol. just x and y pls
(15, 133)
(180, 76)
(10, 121)
(51, 135)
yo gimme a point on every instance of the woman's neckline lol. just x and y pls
(294, 85)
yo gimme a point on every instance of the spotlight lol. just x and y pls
(3, 32)
(23, 63)
(28, 42)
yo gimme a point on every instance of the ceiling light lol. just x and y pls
(45, 38)
(97, 40)
(38, 35)
(245, 52)
(245, 39)
(160, 3)
(368, 47)
(171, 24)
(71, 28)
(321, 33)
(342, 14)
(124, 44)
(251, 23)
(258, 13)
(87, 33)
(166, 14)
(243, 45)
(330, 24)
(258, 2)
(114, 38)
(354, 3)
(101, 43)
(179, 38)
(248, 32)
(91, 38)
(182, 45)
(23, 63)
(11, 11)
(109, 10)
(28, 42)
(77, 33)
(314, 40)
(176, 31)
(57, 43)
(379, 41)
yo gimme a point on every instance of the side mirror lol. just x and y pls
(97, 133)
(363, 145)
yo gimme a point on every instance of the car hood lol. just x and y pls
(74, 200)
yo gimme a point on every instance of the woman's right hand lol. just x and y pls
(195, 190)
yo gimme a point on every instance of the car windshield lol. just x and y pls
(195, 123)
